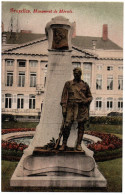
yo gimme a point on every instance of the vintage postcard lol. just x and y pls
(62, 96)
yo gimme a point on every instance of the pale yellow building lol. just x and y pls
(24, 69)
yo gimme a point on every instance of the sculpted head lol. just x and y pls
(77, 72)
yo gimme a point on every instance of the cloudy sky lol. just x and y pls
(89, 17)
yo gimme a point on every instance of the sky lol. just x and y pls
(89, 17)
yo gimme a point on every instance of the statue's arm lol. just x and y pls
(88, 95)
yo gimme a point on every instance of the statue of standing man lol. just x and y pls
(75, 102)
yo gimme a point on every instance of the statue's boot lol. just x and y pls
(63, 147)
(65, 138)
(79, 140)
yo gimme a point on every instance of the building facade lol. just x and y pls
(24, 70)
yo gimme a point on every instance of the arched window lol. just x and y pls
(120, 104)
(98, 103)
(109, 103)
(8, 101)
(32, 101)
(20, 101)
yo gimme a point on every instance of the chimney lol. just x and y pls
(105, 32)
(4, 39)
(74, 30)
(94, 44)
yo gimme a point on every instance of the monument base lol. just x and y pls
(57, 169)
(58, 181)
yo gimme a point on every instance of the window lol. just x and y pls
(9, 62)
(32, 101)
(33, 63)
(86, 77)
(8, 101)
(9, 78)
(20, 101)
(98, 81)
(22, 63)
(87, 66)
(120, 104)
(99, 67)
(120, 82)
(21, 81)
(109, 103)
(98, 103)
(109, 68)
(76, 64)
(110, 83)
(33, 80)
(120, 68)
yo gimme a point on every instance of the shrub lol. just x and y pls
(114, 120)
(8, 117)
(11, 153)
(108, 154)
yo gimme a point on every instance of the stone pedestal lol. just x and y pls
(58, 169)
(62, 163)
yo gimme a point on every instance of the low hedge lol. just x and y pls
(11, 155)
(110, 120)
(8, 117)
(108, 155)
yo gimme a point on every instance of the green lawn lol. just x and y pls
(112, 171)
(116, 129)
(11, 124)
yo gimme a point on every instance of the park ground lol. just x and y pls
(111, 169)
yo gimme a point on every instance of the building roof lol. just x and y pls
(20, 38)
(39, 47)
(83, 42)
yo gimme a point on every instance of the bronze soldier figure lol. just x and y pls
(75, 102)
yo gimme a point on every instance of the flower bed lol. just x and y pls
(5, 131)
(13, 146)
(9, 145)
(109, 142)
